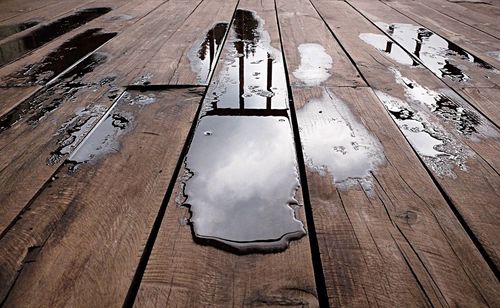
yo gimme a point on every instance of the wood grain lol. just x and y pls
(473, 191)
(486, 23)
(24, 172)
(183, 273)
(372, 252)
(298, 19)
(171, 64)
(108, 23)
(83, 236)
(472, 40)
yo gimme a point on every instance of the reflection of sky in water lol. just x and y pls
(412, 126)
(204, 52)
(335, 141)
(315, 64)
(465, 120)
(434, 51)
(244, 178)
(383, 43)
(253, 75)
(440, 151)
(242, 163)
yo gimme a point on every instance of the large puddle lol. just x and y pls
(336, 143)
(66, 55)
(14, 49)
(442, 57)
(241, 164)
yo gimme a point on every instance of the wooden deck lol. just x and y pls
(393, 108)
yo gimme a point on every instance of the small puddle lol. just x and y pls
(336, 143)
(442, 57)
(105, 138)
(204, 52)
(315, 64)
(253, 75)
(384, 44)
(465, 120)
(440, 151)
(40, 36)
(59, 60)
(49, 99)
(8, 30)
(74, 130)
(241, 165)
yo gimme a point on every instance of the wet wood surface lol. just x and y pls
(92, 161)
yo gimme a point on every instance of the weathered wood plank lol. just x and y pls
(305, 22)
(387, 237)
(43, 15)
(476, 42)
(58, 110)
(466, 165)
(12, 8)
(115, 21)
(183, 273)
(487, 23)
(486, 7)
(475, 75)
(172, 65)
(106, 205)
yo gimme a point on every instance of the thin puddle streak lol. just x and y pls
(69, 53)
(42, 103)
(205, 51)
(14, 49)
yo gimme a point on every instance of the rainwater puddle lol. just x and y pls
(253, 75)
(335, 143)
(384, 44)
(241, 165)
(105, 138)
(463, 118)
(243, 179)
(17, 48)
(49, 99)
(59, 60)
(440, 151)
(74, 130)
(204, 52)
(315, 64)
(442, 57)
(8, 30)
